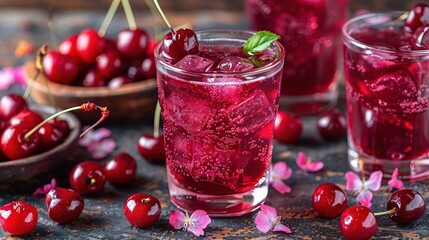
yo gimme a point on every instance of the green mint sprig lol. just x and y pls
(259, 41)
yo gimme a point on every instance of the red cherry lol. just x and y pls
(409, 205)
(18, 217)
(418, 16)
(329, 200)
(118, 82)
(10, 105)
(148, 68)
(62, 125)
(331, 124)
(64, 205)
(151, 48)
(27, 117)
(109, 64)
(132, 44)
(358, 222)
(50, 136)
(183, 42)
(90, 45)
(3, 124)
(121, 169)
(60, 68)
(69, 47)
(15, 146)
(93, 79)
(151, 148)
(87, 177)
(142, 210)
(287, 127)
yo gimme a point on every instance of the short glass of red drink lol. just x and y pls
(387, 78)
(218, 110)
(310, 31)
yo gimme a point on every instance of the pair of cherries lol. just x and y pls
(89, 177)
(359, 222)
(16, 120)
(288, 127)
(417, 22)
(90, 60)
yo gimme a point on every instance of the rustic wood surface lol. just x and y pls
(103, 215)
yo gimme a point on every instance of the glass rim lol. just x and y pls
(347, 39)
(252, 72)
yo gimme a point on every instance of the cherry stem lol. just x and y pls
(108, 18)
(163, 16)
(154, 12)
(51, 26)
(393, 210)
(156, 120)
(86, 107)
(129, 14)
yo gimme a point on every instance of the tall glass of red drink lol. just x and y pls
(218, 111)
(387, 78)
(310, 31)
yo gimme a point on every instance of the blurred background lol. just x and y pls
(28, 19)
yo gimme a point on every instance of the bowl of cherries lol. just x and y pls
(117, 71)
(28, 147)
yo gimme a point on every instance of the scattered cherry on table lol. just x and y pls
(406, 205)
(64, 205)
(121, 169)
(287, 127)
(358, 223)
(142, 210)
(151, 148)
(18, 217)
(87, 177)
(331, 124)
(329, 200)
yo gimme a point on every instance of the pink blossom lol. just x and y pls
(10, 76)
(304, 162)
(363, 187)
(194, 224)
(98, 143)
(267, 220)
(280, 172)
(45, 189)
(394, 182)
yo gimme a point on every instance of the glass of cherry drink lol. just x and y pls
(218, 106)
(386, 61)
(310, 31)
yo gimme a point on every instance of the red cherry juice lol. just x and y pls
(310, 30)
(387, 78)
(218, 113)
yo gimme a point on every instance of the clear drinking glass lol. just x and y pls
(387, 79)
(310, 31)
(218, 129)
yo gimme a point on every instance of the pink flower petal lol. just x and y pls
(280, 186)
(394, 182)
(38, 192)
(263, 222)
(353, 182)
(364, 198)
(269, 211)
(374, 181)
(200, 218)
(301, 160)
(99, 150)
(7, 78)
(46, 188)
(19, 76)
(304, 163)
(177, 219)
(94, 136)
(281, 171)
(281, 228)
(315, 166)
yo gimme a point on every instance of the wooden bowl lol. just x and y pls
(129, 102)
(24, 168)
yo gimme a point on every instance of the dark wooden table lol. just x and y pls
(103, 215)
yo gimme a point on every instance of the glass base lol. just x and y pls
(409, 170)
(219, 205)
(309, 104)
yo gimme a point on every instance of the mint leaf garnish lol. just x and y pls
(259, 41)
